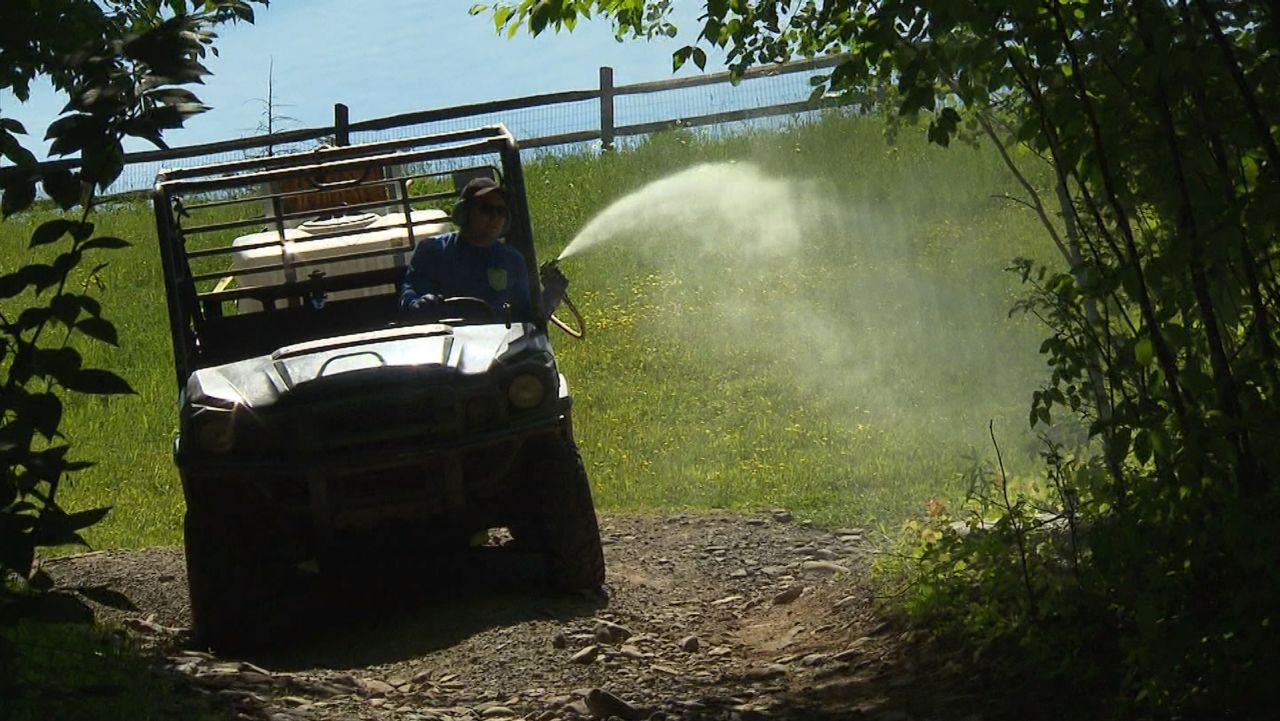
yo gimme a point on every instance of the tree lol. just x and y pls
(271, 119)
(1158, 119)
(122, 65)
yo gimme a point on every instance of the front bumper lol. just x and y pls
(470, 481)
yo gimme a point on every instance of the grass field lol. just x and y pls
(817, 321)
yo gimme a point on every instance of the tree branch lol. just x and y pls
(1261, 126)
(1164, 355)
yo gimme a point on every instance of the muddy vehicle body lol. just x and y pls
(316, 417)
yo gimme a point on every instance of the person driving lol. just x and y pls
(472, 262)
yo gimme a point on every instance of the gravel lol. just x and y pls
(683, 634)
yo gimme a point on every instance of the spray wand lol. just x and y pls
(551, 277)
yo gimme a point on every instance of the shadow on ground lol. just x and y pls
(397, 609)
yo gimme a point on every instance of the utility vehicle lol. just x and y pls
(317, 420)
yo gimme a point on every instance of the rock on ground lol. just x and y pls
(708, 616)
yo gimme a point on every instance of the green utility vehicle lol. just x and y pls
(315, 417)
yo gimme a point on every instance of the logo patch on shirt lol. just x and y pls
(498, 278)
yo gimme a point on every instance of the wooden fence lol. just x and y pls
(606, 133)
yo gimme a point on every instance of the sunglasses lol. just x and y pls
(493, 211)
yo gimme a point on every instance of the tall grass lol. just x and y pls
(849, 380)
(850, 377)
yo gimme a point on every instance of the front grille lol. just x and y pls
(370, 420)
(388, 486)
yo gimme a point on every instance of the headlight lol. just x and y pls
(214, 431)
(526, 391)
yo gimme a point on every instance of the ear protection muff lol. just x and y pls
(460, 213)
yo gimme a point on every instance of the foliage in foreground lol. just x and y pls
(1158, 120)
(75, 671)
(122, 67)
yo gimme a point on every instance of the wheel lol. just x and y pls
(233, 579)
(218, 579)
(566, 522)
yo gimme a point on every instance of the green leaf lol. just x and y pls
(66, 262)
(943, 127)
(680, 57)
(106, 242)
(32, 318)
(1120, 445)
(49, 232)
(91, 305)
(40, 275)
(53, 528)
(66, 308)
(98, 382)
(919, 97)
(99, 329)
(12, 149)
(103, 165)
(539, 17)
(19, 194)
(12, 284)
(73, 133)
(938, 135)
(44, 412)
(1142, 446)
(84, 519)
(60, 364)
(82, 231)
(500, 17)
(1144, 352)
(174, 96)
(63, 186)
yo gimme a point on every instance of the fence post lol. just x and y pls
(606, 107)
(341, 121)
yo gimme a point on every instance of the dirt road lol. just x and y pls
(708, 616)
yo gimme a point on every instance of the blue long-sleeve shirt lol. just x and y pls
(446, 266)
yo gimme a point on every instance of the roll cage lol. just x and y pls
(263, 252)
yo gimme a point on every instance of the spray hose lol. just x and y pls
(565, 302)
(581, 330)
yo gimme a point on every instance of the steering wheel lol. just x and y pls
(465, 302)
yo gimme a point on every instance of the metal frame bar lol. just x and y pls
(191, 310)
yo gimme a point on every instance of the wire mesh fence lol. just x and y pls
(571, 121)
(139, 176)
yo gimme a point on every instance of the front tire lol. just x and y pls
(567, 522)
(234, 578)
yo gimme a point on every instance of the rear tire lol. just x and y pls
(567, 522)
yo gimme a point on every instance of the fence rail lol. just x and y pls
(605, 130)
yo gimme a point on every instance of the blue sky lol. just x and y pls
(382, 57)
